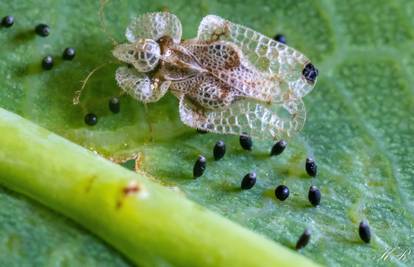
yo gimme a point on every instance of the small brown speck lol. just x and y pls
(131, 188)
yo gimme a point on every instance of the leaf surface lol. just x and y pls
(359, 129)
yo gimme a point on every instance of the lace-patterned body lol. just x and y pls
(212, 74)
(229, 79)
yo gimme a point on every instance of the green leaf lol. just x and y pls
(359, 127)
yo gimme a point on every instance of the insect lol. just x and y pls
(229, 79)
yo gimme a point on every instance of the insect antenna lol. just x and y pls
(78, 93)
(102, 4)
(101, 13)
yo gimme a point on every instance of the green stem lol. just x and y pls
(150, 224)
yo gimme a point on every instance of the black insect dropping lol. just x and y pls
(282, 192)
(311, 167)
(303, 239)
(42, 30)
(278, 148)
(91, 119)
(7, 21)
(310, 72)
(246, 141)
(364, 231)
(314, 195)
(201, 131)
(114, 104)
(219, 150)
(69, 53)
(280, 38)
(249, 180)
(199, 167)
(47, 62)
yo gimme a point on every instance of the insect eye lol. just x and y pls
(140, 55)
(152, 60)
(310, 72)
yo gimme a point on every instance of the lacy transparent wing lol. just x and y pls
(264, 53)
(225, 61)
(256, 119)
(206, 90)
(140, 86)
(154, 26)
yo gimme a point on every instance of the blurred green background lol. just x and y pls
(360, 127)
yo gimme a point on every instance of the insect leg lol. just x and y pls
(78, 93)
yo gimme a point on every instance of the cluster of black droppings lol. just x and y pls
(42, 30)
(47, 63)
(364, 231)
(7, 21)
(282, 192)
(314, 196)
(278, 148)
(311, 167)
(114, 105)
(69, 53)
(91, 119)
(280, 38)
(246, 141)
(303, 239)
(199, 167)
(219, 150)
(249, 180)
